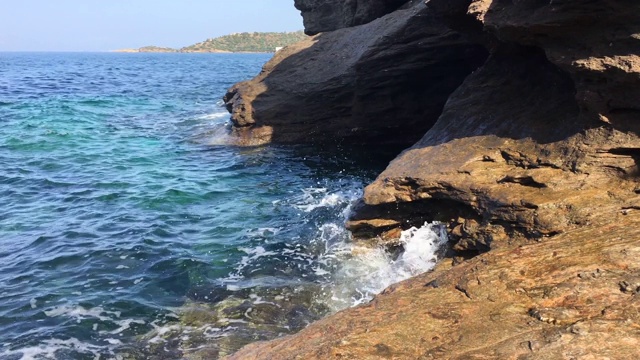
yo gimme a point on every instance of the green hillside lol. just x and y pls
(247, 42)
(156, 49)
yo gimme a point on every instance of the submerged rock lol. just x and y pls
(218, 326)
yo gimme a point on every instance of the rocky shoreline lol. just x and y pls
(522, 122)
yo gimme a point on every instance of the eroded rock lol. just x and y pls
(380, 83)
(596, 42)
(519, 143)
(535, 157)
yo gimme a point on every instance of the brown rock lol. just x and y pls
(597, 42)
(540, 143)
(383, 83)
(517, 147)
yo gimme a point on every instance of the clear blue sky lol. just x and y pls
(102, 25)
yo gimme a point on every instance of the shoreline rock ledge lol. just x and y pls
(522, 122)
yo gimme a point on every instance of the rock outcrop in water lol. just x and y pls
(384, 82)
(533, 161)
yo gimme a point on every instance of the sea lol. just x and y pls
(129, 230)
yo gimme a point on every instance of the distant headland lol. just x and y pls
(254, 42)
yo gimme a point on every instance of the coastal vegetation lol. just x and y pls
(156, 49)
(247, 42)
(258, 42)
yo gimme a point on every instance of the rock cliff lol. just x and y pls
(382, 82)
(542, 138)
(531, 154)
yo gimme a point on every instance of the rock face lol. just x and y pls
(595, 41)
(322, 15)
(512, 157)
(366, 84)
(534, 162)
(542, 138)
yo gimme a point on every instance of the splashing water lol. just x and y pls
(335, 273)
(364, 272)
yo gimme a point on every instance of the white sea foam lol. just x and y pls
(346, 273)
(350, 274)
(161, 330)
(216, 134)
(80, 313)
(255, 299)
(365, 272)
(48, 349)
(214, 116)
(318, 197)
(123, 326)
(253, 254)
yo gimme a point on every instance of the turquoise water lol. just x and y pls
(119, 221)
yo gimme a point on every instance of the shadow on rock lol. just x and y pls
(384, 82)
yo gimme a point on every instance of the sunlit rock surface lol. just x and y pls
(380, 83)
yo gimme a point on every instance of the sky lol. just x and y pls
(103, 25)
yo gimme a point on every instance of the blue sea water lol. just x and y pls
(125, 234)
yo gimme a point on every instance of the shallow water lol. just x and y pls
(124, 234)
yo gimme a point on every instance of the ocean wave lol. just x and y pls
(218, 115)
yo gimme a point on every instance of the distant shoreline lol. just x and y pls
(117, 52)
(135, 51)
(255, 42)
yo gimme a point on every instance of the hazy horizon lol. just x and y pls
(79, 26)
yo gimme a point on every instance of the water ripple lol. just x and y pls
(116, 213)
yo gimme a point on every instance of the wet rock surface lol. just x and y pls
(565, 298)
